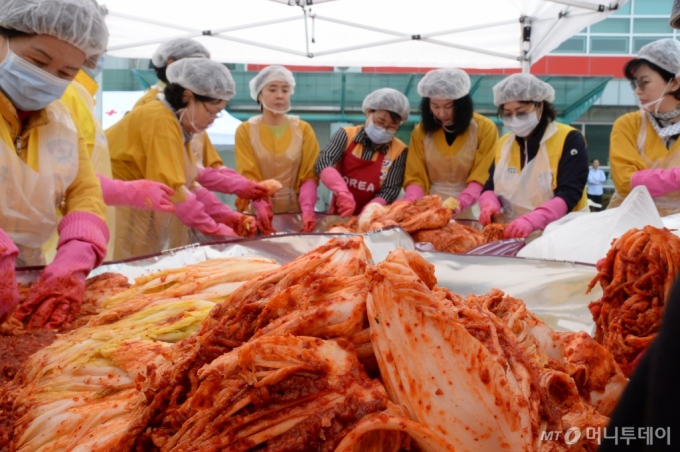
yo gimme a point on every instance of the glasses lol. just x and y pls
(519, 116)
(213, 115)
(381, 123)
(642, 84)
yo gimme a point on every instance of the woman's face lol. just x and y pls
(442, 109)
(383, 120)
(650, 86)
(276, 96)
(200, 115)
(48, 53)
(516, 108)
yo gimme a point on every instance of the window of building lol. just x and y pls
(633, 25)
(602, 44)
(651, 25)
(577, 44)
(662, 7)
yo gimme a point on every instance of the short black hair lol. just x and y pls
(10, 33)
(549, 112)
(633, 65)
(593, 160)
(174, 92)
(396, 117)
(160, 73)
(463, 109)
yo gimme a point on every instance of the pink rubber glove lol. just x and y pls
(468, 197)
(192, 214)
(140, 194)
(307, 199)
(218, 211)
(228, 181)
(265, 215)
(658, 181)
(489, 205)
(57, 294)
(413, 192)
(541, 217)
(9, 291)
(376, 200)
(344, 199)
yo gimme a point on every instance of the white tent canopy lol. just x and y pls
(420, 33)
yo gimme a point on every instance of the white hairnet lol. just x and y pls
(445, 83)
(387, 99)
(268, 75)
(78, 22)
(203, 76)
(665, 53)
(522, 87)
(177, 49)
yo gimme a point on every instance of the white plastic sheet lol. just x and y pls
(586, 237)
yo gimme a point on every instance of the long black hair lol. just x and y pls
(463, 109)
(174, 92)
(633, 65)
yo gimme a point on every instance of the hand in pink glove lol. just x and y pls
(468, 197)
(344, 199)
(658, 181)
(307, 199)
(376, 200)
(489, 206)
(57, 295)
(9, 291)
(192, 214)
(226, 180)
(265, 215)
(141, 194)
(413, 192)
(541, 217)
(223, 214)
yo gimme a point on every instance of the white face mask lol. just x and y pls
(522, 125)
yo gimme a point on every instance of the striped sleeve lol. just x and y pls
(333, 151)
(394, 180)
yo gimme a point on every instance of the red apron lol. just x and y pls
(361, 176)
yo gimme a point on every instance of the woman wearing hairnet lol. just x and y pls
(140, 194)
(44, 165)
(541, 167)
(212, 174)
(152, 142)
(365, 164)
(452, 147)
(644, 147)
(277, 146)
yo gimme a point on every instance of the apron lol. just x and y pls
(30, 199)
(523, 190)
(101, 163)
(283, 167)
(198, 148)
(670, 202)
(448, 175)
(363, 178)
(159, 231)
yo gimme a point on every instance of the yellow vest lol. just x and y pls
(554, 146)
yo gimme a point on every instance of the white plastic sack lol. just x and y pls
(672, 222)
(586, 237)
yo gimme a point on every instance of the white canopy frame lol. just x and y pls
(531, 46)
